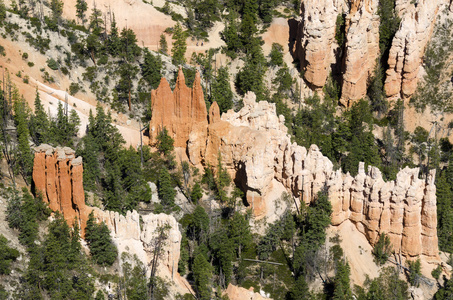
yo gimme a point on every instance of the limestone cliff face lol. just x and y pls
(361, 49)
(257, 150)
(409, 45)
(58, 177)
(181, 111)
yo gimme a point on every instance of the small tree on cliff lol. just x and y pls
(382, 249)
(157, 245)
(164, 142)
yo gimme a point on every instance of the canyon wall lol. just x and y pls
(361, 49)
(319, 53)
(256, 149)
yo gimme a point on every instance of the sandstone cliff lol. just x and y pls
(136, 236)
(316, 34)
(258, 152)
(361, 49)
(58, 177)
(409, 45)
(181, 111)
(316, 48)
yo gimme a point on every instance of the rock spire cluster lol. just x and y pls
(179, 111)
(257, 151)
(317, 49)
(58, 177)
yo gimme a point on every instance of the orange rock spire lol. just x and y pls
(180, 111)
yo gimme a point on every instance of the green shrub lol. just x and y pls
(25, 55)
(53, 64)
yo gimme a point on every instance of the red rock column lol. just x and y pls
(65, 191)
(39, 175)
(51, 180)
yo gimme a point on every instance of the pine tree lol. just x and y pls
(81, 8)
(202, 273)
(165, 189)
(179, 45)
(97, 236)
(151, 69)
(163, 46)
(24, 154)
(221, 90)
(114, 42)
(39, 123)
(342, 289)
(444, 197)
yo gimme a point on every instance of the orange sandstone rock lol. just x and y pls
(180, 112)
(58, 176)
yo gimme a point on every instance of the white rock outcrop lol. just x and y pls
(257, 151)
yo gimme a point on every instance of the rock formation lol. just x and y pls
(58, 177)
(182, 110)
(136, 237)
(257, 151)
(361, 50)
(239, 293)
(316, 34)
(409, 45)
(316, 48)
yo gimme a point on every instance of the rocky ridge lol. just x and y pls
(257, 151)
(409, 45)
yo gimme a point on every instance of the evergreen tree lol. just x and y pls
(444, 197)
(130, 51)
(151, 69)
(164, 142)
(57, 9)
(342, 289)
(221, 90)
(179, 45)
(24, 154)
(163, 46)
(276, 55)
(81, 8)
(97, 236)
(39, 123)
(114, 42)
(196, 193)
(7, 255)
(165, 189)
(382, 249)
(202, 273)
